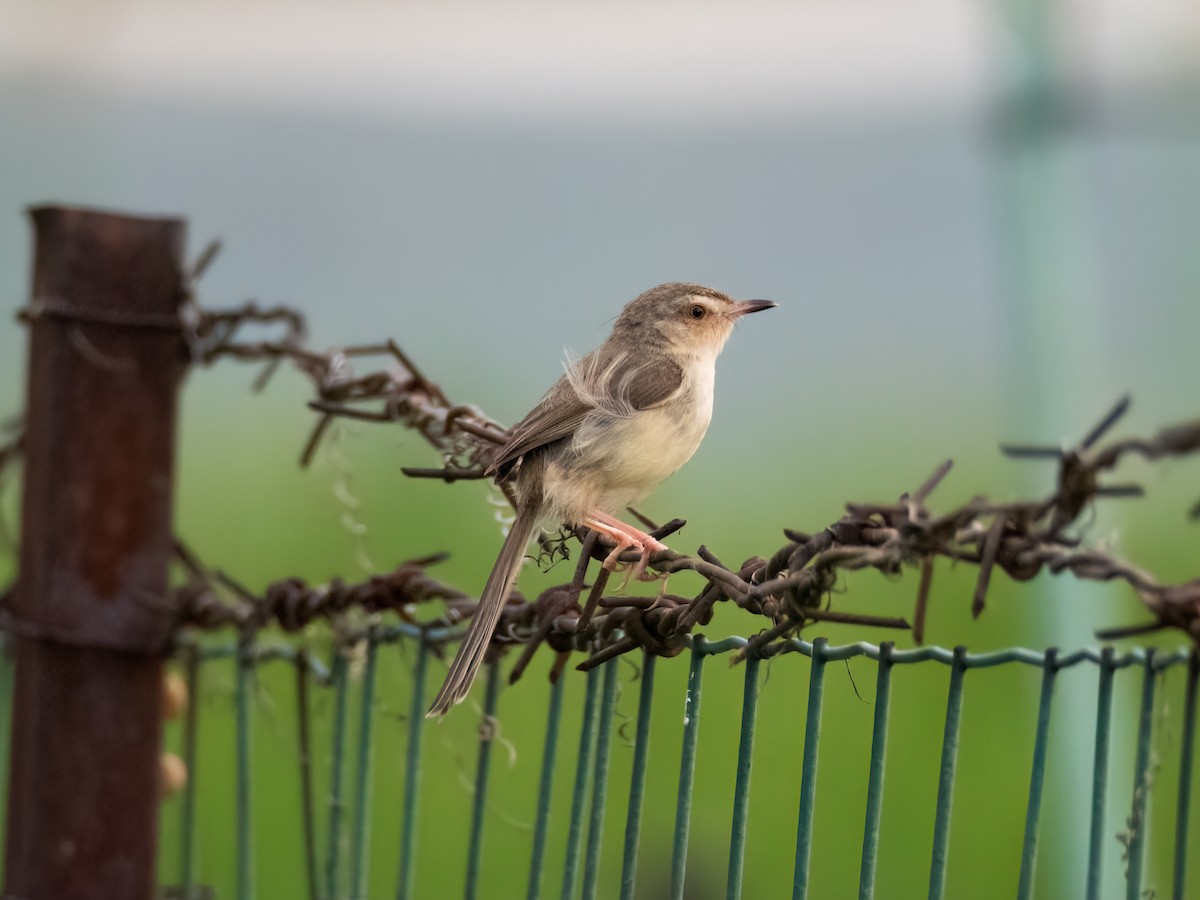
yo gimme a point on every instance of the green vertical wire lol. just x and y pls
(741, 791)
(587, 735)
(941, 823)
(1037, 777)
(482, 770)
(337, 764)
(591, 860)
(1187, 752)
(637, 780)
(304, 738)
(1141, 783)
(362, 796)
(870, 851)
(545, 789)
(687, 772)
(412, 776)
(808, 770)
(187, 878)
(245, 875)
(1100, 773)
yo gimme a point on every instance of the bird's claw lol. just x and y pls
(626, 537)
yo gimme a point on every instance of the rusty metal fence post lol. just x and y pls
(90, 609)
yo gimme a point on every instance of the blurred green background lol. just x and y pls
(979, 221)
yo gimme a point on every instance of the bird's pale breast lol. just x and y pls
(616, 461)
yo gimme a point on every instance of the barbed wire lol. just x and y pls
(212, 599)
(789, 589)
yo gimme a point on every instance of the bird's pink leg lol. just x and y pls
(620, 538)
(626, 537)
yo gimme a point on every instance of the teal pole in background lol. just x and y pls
(1048, 301)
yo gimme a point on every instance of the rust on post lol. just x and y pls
(90, 610)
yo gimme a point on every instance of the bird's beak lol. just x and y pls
(742, 307)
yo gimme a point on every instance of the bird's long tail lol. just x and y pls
(491, 602)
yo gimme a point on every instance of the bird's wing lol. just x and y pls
(654, 383)
(642, 384)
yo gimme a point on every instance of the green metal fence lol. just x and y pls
(338, 867)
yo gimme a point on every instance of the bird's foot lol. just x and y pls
(626, 537)
(649, 548)
(662, 586)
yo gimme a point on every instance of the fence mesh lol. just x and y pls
(340, 864)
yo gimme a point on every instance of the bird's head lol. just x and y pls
(688, 318)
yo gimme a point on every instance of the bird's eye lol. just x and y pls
(696, 312)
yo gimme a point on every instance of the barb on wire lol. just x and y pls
(211, 599)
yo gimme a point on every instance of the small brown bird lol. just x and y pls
(620, 420)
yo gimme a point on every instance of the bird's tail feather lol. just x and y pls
(487, 614)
